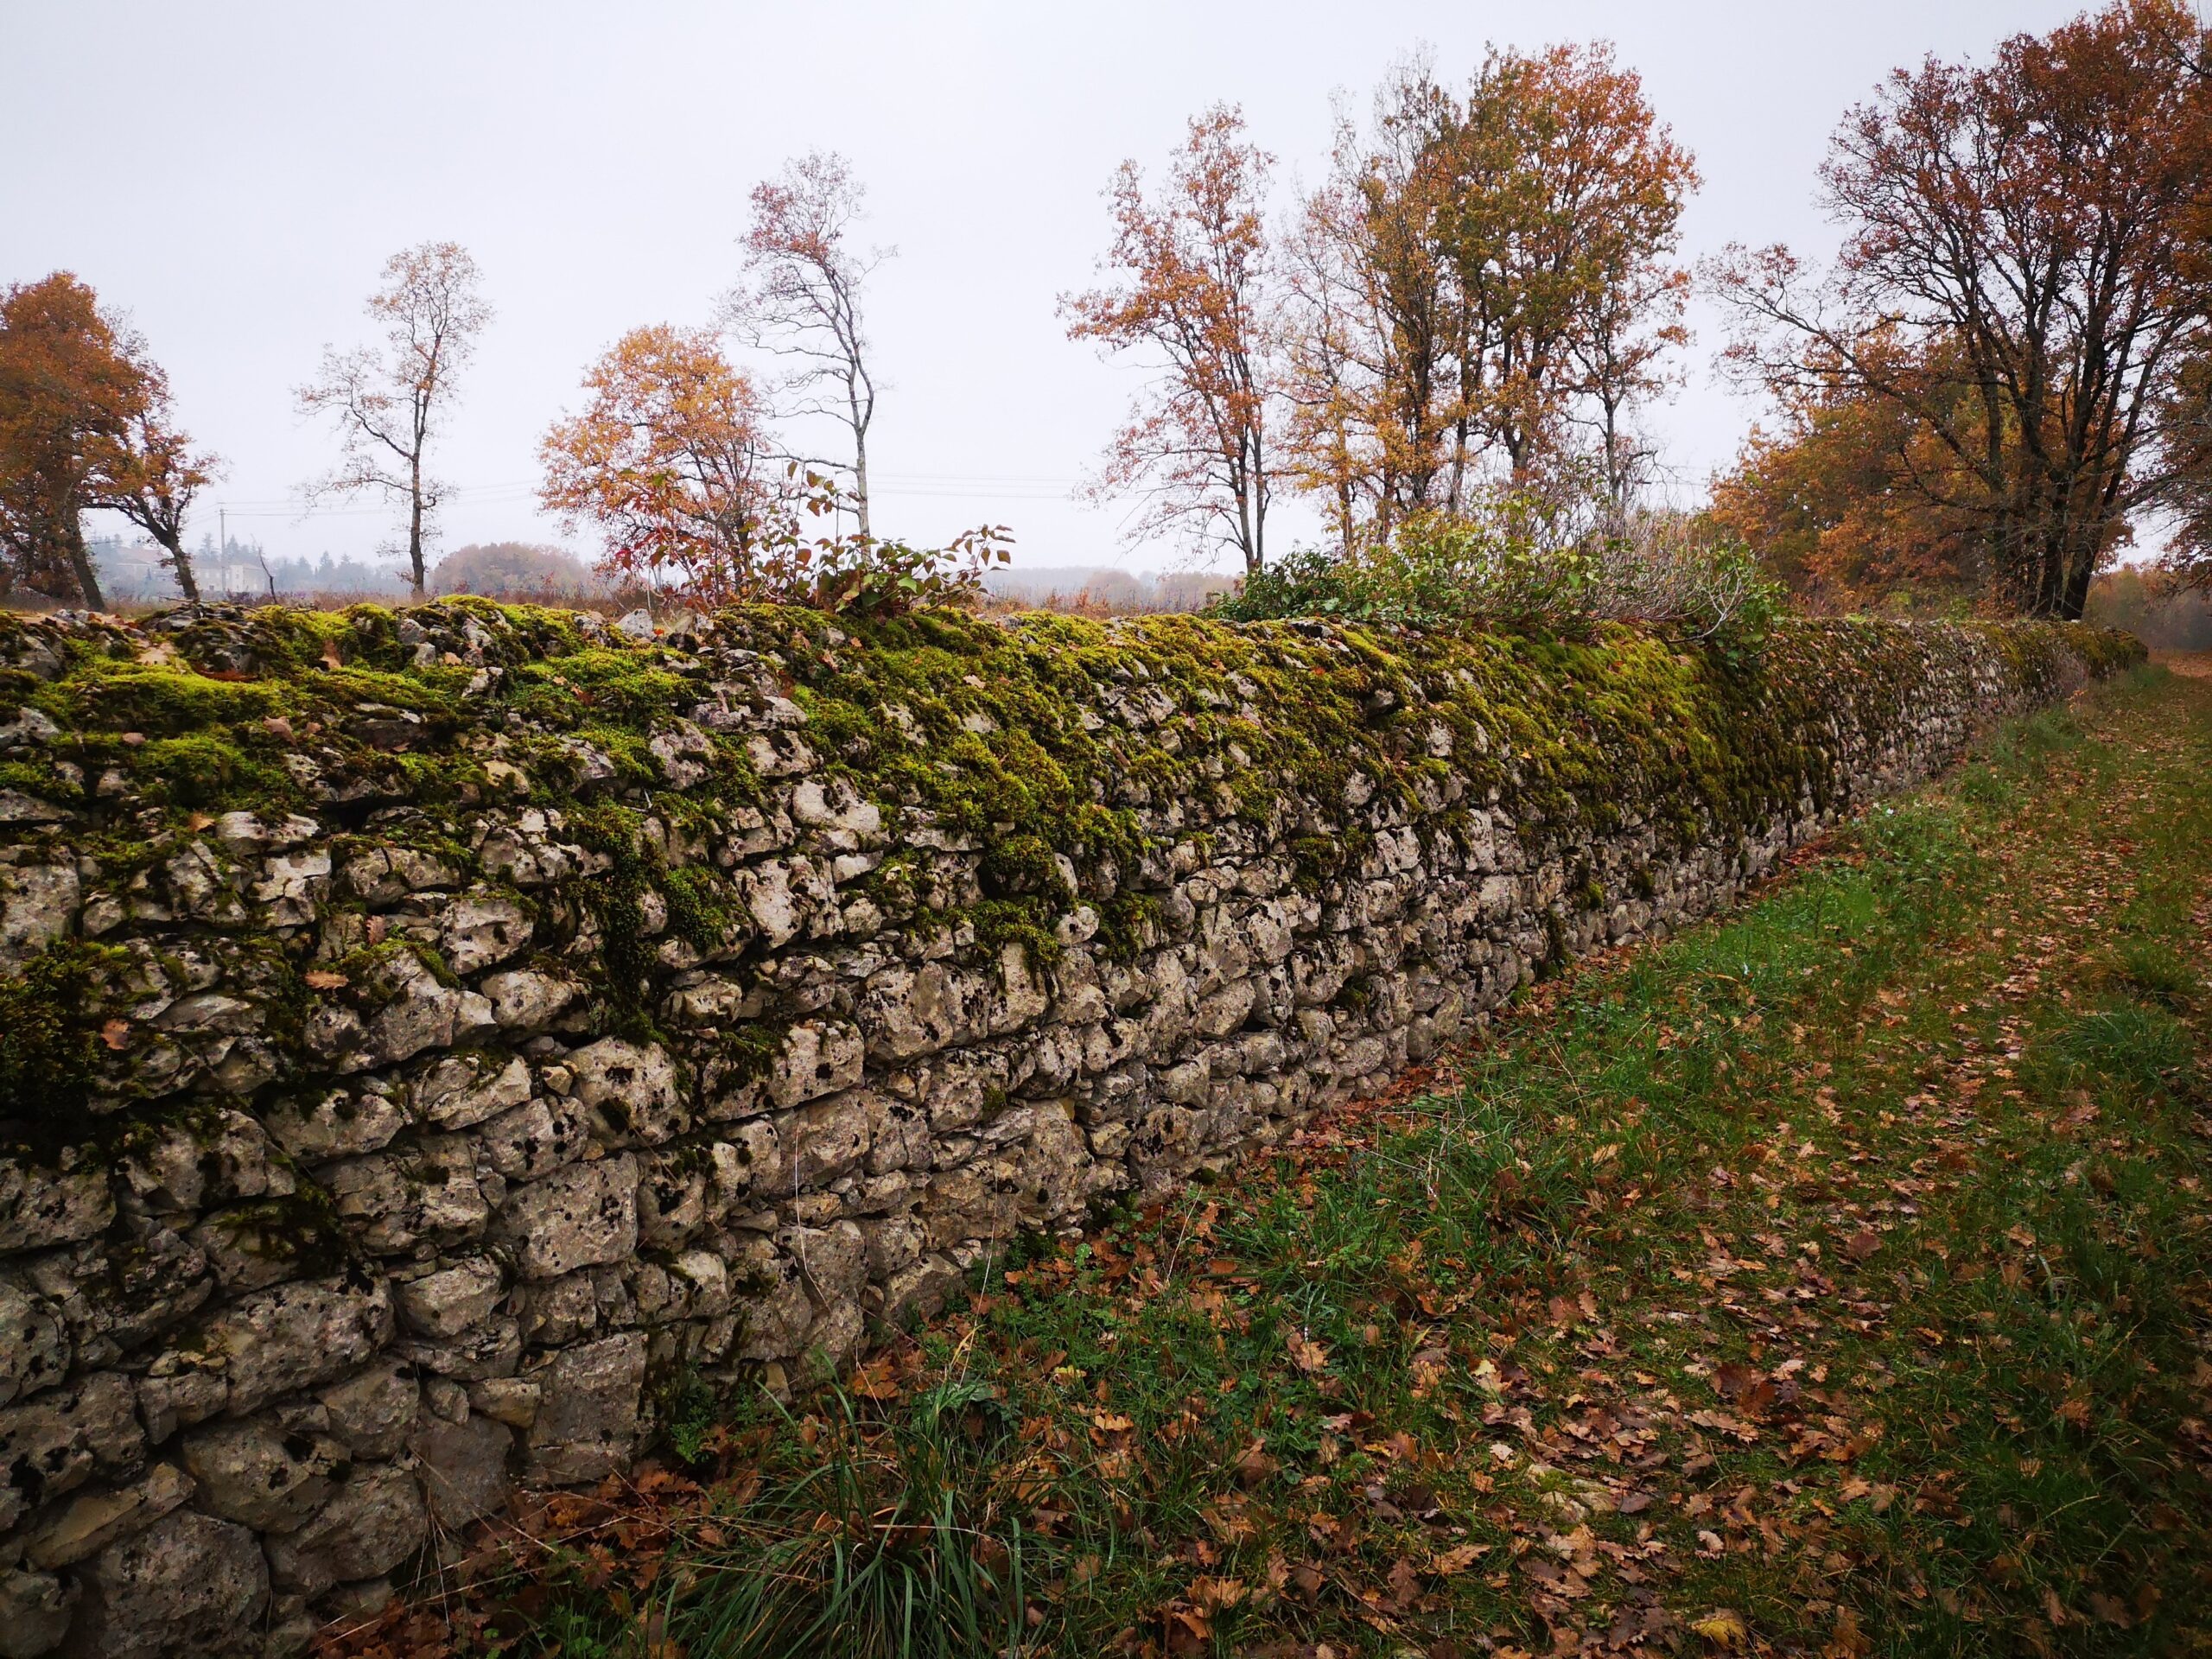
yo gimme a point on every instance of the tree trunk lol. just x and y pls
(80, 560)
(181, 561)
(859, 481)
(415, 525)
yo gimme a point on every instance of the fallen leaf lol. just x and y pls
(1458, 1558)
(323, 979)
(1306, 1353)
(1405, 1583)
(1723, 1628)
(116, 1034)
(1213, 1594)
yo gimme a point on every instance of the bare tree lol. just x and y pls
(387, 402)
(800, 299)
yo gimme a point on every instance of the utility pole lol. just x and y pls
(222, 548)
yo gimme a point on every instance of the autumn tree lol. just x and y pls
(672, 458)
(801, 300)
(70, 393)
(1191, 291)
(1569, 195)
(2021, 276)
(1852, 503)
(86, 423)
(388, 402)
(1480, 278)
(151, 473)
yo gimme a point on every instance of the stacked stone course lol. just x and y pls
(387, 1202)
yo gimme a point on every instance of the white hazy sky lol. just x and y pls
(233, 176)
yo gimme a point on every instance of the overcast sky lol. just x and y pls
(234, 175)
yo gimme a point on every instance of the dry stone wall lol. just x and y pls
(426, 1031)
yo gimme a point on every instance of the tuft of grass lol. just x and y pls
(871, 1540)
(2155, 970)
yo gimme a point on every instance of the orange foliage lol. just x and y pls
(85, 423)
(1192, 264)
(672, 460)
(1480, 276)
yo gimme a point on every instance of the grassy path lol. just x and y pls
(1836, 1278)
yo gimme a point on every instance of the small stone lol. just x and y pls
(446, 1303)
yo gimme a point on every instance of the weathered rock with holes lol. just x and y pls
(189, 1586)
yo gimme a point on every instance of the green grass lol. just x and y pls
(1834, 1278)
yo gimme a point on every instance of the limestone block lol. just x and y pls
(38, 902)
(462, 1091)
(293, 1336)
(630, 1092)
(383, 875)
(35, 1345)
(463, 1467)
(525, 1000)
(372, 1410)
(579, 1217)
(35, 1612)
(534, 1139)
(827, 1139)
(202, 1160)
(396, 1200)
(54, 1441)
(480, 929)
(42, 1206)
(328, 1123)
(185, 1588)
(589, 1417)
(88, 1521)
(375, 1521)
(448, 1302)
(818, 1058)
(257, 1474)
